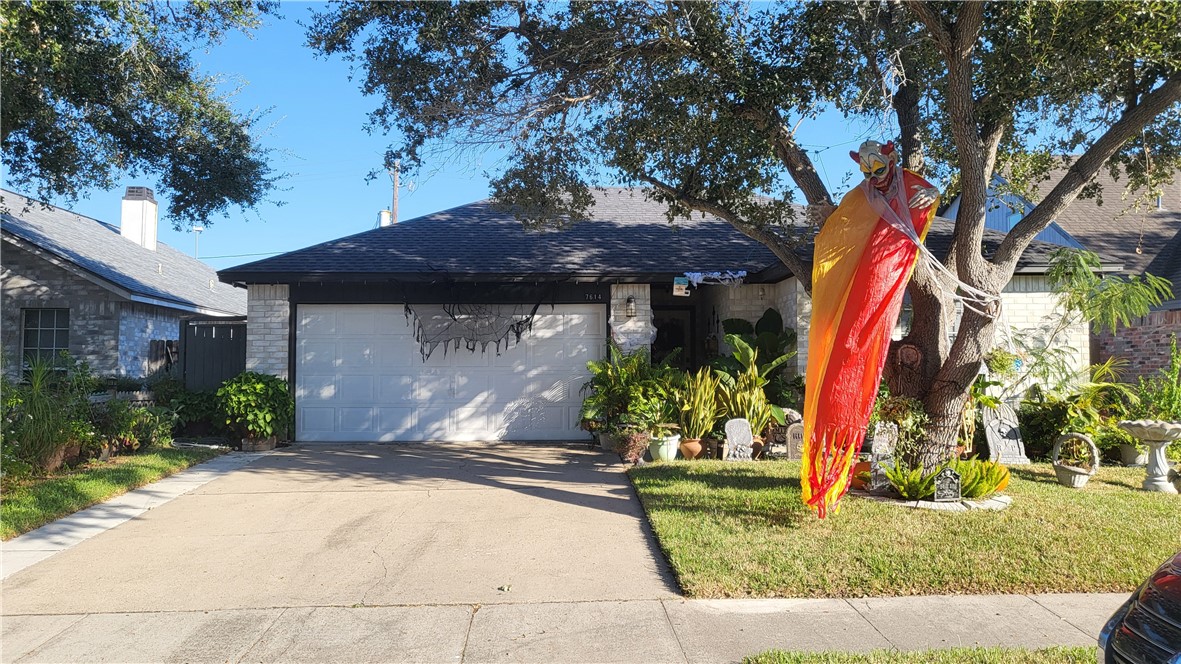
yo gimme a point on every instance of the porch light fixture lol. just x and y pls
(629, 307)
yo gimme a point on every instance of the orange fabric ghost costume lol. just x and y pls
(864, 257)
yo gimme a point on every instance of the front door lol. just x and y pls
(675, 329)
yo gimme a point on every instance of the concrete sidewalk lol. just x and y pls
(629, 631)
(431, 554)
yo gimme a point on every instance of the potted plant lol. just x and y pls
(741, 394)
(1075, 459)
(699, 411)
(258, 408)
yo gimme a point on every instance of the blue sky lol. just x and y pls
(316, 130)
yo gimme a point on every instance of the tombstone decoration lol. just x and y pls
(1004, 437)
(739, 440)
(947, 486)
(795, 441)
(885, 438)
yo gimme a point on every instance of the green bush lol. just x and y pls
(257, 405)
(197, 413)
(153, 426)
(41, 412)
(1042, 421)
(980, 478)
(116, 423)
(911, 483)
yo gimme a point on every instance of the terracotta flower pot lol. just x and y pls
(858, 468)
(692, 448)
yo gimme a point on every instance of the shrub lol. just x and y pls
(116, 423)
(980, 478)
(1042, 421)
(256, 405)
(153, 426)
(196, 412)
(39, 412)
(910, 482)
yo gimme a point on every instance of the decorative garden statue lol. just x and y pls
(1156, 434)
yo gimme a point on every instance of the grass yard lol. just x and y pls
(1073, 655)
(29, 504)
(741, 530)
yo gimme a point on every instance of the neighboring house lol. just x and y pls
(346, 320)
(1131, 241)
(111, 296)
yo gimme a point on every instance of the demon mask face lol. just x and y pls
(877, 163)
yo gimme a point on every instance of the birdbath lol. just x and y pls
(1156, 434)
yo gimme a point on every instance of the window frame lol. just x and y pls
(52, 352)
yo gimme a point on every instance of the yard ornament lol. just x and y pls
(864, 257)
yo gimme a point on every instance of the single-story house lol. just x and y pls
(367, 327)
(112, 296)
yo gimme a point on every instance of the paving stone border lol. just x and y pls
(995, 503)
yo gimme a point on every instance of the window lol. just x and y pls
(47, 333)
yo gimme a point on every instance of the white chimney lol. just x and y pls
(140, 215)
(385, 218)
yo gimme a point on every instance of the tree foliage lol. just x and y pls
(699, 102)
(94, 91)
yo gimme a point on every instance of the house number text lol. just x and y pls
(593, 297)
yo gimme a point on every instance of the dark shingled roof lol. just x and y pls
(1114, 230)
(628, 238)
(166, 275)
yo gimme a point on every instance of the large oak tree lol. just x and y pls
(95, 91)
(699, 102)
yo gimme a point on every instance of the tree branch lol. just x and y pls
(936, 26)
(794, 158)
(784, 249)
(1083, 170)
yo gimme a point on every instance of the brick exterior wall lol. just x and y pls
(1144, 344)
(139, 325)
(268, 329)
(29, 281)
(749, 301)
(638, 331)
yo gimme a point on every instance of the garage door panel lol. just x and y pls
(317, 420)
(320, 388)
(355, 420)
(315, 355)
(356, 389)
(396, 388)
(356, 322)
(318, 323)
(399, 422)
(360, 376)
(354, 354)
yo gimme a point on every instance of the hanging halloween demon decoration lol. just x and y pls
(864, 256)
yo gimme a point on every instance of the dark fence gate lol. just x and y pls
(212, 350)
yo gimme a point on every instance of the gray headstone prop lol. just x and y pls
(885, 437)
(947, 486)
(795, 441)
(1004, 437)
(738, 440)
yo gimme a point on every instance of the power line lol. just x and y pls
(265, 253)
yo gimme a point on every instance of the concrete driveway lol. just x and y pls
(367, 525)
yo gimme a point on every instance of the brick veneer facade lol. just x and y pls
(110, 333)
(1144, 344)
(268, 323)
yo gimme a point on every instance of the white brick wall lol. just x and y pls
(268, 317)
(635, 332)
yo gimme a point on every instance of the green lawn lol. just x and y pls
(30, 504)
(741, 530)
(1074, 655)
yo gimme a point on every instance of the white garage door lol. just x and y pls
(360, 377)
